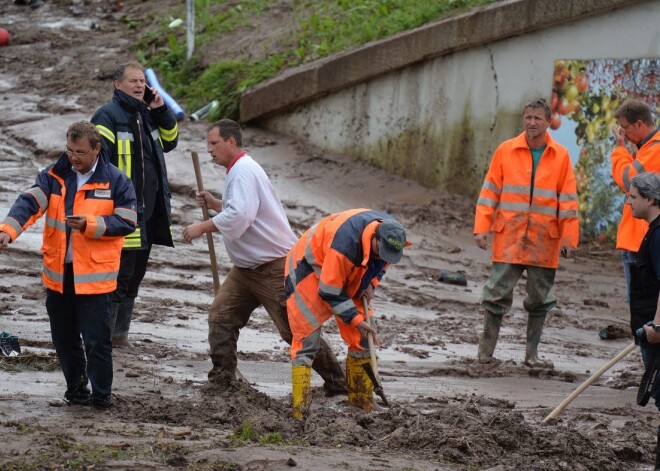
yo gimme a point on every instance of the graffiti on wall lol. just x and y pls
(585, 95)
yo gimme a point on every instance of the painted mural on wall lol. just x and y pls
(585, 95)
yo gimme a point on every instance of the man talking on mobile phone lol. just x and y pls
(137, 128)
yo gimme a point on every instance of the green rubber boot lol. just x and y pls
(488, 340)
(534, 331)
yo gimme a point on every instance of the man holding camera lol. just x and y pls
(644, 202)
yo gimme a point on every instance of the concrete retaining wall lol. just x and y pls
(432, 104)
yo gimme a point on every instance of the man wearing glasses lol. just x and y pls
(89, 206)
(636, 125)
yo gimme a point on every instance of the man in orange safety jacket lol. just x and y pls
(89, 206)
(335, 263)
(529, 202)
(637, 126)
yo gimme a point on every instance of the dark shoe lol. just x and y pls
(78, 396)
(74, 401)
(102, 404)
(36, 3)
(22, 2)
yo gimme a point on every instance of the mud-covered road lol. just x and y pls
(448, 412)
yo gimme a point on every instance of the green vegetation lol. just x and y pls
(318, 28)
(245, 433)
(274, 438)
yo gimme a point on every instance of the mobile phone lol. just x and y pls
(148, 95)
(71, 217)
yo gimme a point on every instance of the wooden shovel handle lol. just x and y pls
(590, 380)
(209, 236)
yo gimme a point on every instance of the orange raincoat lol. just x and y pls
(631, 231)
(531, 221)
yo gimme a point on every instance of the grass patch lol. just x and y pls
(27, 361)
(245, 433)
(320, 29)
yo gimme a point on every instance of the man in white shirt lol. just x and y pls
(257, 238)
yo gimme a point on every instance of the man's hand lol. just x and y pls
(192, 232)
(206, 198)
(369, 292)
(158, 101)
(364, 329)
(651, 335)
(619, 135)
(77, 223)
(5, 240)
(482, 240)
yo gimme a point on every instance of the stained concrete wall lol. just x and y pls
(438, 120)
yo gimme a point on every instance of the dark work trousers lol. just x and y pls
(88, 315)
(132, 268)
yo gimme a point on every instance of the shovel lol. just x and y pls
(372, 368)
(557, 410)
(209, 236)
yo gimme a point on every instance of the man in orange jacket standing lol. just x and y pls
(336, 262)
(90, 206)
(529, 202)
(636, 125)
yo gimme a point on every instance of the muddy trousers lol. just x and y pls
(80, 329)
(497, 300)
(498, 291)
(242, 292)
(132, 268)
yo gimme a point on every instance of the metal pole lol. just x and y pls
(190, 28)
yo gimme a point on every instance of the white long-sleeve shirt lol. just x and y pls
(252, 222)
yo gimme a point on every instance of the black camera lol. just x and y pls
(641, 334)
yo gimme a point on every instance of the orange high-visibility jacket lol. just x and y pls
(631, 231)
(107, 199)
(530, 226)
(329, 267)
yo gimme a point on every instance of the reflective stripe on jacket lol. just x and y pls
(631, 231)
(119, 123)
(108, 201)
(529, 228)
(329, 267)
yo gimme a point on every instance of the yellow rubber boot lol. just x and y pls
(360, 387)
(301, 379)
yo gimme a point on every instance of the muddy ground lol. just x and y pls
(447, 412)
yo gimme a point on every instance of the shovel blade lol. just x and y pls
(378, 389)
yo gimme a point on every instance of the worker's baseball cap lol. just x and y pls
(392, 239)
